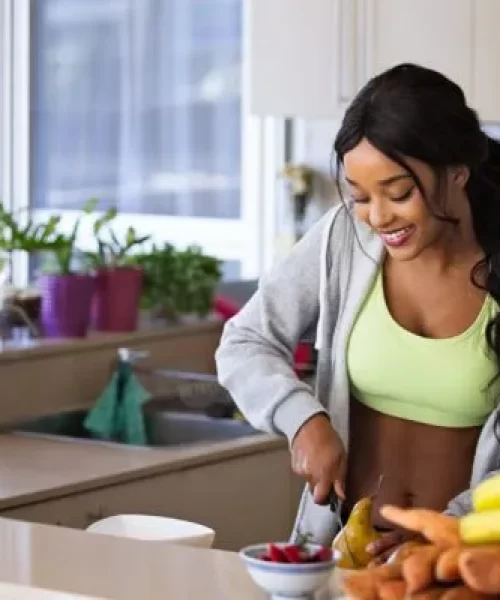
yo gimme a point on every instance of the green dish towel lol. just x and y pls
(117, 414)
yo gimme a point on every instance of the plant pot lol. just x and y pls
(66, 304)
(116, 300)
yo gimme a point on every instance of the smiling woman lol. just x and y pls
(401, 286)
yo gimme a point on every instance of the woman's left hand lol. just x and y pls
(387, 544)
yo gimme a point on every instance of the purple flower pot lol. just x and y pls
(66, 304)
(116, 300)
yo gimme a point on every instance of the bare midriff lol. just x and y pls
(422, 466)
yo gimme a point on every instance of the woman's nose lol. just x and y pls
(380, 214)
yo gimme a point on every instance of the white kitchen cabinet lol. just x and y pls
(486, 72)
(433, 33)
(301, 56)
(308, 58)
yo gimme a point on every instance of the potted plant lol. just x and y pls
(23, 305)
(179, 284)
(66, 290)
(118, 278)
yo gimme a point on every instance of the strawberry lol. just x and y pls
(324, 554)
(294, 553)
(276, 554)
(265, 557)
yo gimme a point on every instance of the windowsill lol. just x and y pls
(34, 348)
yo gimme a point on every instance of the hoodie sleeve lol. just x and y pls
(461, 505)
(255, 356)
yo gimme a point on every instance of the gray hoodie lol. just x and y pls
(314, 293)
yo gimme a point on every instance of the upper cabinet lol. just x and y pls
(307, 58)
(302, 56)
(486, 71)
(434, 33)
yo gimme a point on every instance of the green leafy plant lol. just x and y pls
(60, 259)
(112, 252)
(178, 282)
(33, 236)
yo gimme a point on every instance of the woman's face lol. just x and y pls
(388, 200)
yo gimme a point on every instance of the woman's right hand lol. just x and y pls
(319, 456)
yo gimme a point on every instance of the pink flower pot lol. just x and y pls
(116, 300)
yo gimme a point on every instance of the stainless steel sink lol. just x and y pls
(164, 428)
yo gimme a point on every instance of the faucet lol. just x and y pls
(17, 310)
(130, 356)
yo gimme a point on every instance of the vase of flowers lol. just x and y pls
(301, 184)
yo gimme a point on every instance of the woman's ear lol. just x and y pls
(460, 176)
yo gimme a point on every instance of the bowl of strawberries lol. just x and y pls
(289, 570)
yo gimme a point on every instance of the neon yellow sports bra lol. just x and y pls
(435, 381)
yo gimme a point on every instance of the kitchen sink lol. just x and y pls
(164, 428)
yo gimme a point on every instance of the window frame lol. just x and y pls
(249, 240)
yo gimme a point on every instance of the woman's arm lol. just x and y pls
(255, 356)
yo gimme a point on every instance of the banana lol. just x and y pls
(486, 495)
(481, 527)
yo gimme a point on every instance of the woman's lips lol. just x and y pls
(398, 237)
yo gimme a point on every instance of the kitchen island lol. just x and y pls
(99, 566)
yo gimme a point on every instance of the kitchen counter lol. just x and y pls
(12, 591)
(99, 566)
(34, 468)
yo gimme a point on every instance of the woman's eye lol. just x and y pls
(360, 200)
(404, 196)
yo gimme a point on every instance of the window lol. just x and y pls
(140, 103)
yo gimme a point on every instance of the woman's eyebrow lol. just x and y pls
(383, 182)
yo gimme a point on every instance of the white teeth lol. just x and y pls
(395, 236)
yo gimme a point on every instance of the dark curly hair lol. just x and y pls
(413, 111)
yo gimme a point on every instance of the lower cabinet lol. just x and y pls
(246, 499)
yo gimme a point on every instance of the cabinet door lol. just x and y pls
(487, 51)
(433, 33)
(301, 56)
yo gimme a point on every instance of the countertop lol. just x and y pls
(100, 566)
(34, 468)
(12, 591)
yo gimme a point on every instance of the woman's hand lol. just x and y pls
(318, 455)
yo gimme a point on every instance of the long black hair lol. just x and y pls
(413, 111)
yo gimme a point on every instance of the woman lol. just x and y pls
(400, 283)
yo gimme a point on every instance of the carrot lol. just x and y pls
(391, 590)
(433, 593)
(447, 570)
(362, 585)
(480, 568)
(405, 550)
(441, 530)
(418, 569)
(462, 592)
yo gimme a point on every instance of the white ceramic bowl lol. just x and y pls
(286, 580)
(157, 529)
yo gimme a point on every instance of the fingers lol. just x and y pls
(321, 491)
(339, 483)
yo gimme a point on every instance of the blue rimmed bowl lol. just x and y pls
(284, 581)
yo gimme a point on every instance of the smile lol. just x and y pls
(398, 237)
